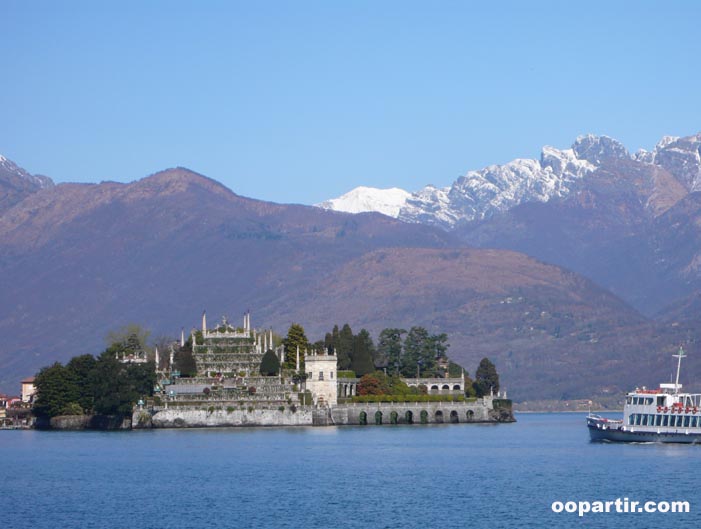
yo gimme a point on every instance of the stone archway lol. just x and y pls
(454, 417)
(393, 417)
(456, 387)
(424, 417)
(378, 417)
(446, 387)
(439, 416)
(363, 418)
(470, 415)
(409, 417)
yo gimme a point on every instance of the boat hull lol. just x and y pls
(624, 436)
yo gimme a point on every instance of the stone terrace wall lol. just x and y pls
(202, 419)
(436, 413)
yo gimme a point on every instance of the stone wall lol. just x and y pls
(84, 422)
(411, 413)
(203, 419)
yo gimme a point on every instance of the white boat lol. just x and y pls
(662, 415)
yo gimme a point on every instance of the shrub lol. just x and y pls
(229, 409)
(281, 408)
(72, 408)
(409, 398)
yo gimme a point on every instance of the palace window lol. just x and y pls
(321, 375)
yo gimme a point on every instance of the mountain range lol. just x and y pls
(576, 274)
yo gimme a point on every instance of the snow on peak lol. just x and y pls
(479, 194)
(364, 199)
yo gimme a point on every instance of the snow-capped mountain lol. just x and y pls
(680, 156)
(9, 169)
(16, 184)
(481, 193)
(363, 199)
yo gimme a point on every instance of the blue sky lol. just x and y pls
(302, 101)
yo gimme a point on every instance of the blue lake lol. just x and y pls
(440, 476)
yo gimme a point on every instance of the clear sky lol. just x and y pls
(300, 101)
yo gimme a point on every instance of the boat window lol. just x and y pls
(665, 421)
(686, 421)
(658, 420)
(629, 400)
(649, 400)
(660, 401)
(694, 422)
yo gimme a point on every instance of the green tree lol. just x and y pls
(82, 367)
(295, 338)
(389, 349)
(345, 347)
(455, 370)
(119, 386)
(270, 365)
(418, 349)
(486, 378)
(363, 350)
(57, 388)
(331, 341)
(185, 362)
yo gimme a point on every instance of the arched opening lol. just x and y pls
(470, 415)
(424, 417)
(439, 416)
(409, 417)
(434, 387)
(454, 416)
(445, 386)
(378, 417)
(456, 387)
(363, 419)
(393, 417)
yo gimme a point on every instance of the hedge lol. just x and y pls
(411, 398)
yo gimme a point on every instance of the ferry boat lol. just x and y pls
(662, 415)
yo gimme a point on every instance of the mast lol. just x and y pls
(679, 355)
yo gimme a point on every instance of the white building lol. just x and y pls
(321, 372)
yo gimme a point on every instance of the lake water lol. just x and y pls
(441, 476)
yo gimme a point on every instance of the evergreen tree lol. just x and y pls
(345, 347)
(295, 338)
(418, 350)
(119, 386)
(57, 391)
(486, 378)
(438, 344)
(363, 350)
(389, 349)
(185, 362)
(332, 340)
(82, 367)
(270, 364)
